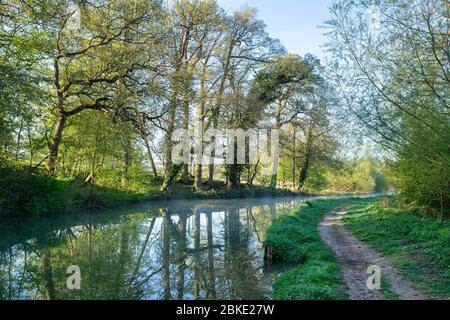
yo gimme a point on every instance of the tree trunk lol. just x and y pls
(218, 105)
(233, 171)
(210, 274)
(307, 163)
(19, 137)
(211, 174)
(170, 176)
(198, 184)
(166, 255)
(304, 171)
(150, 156)
(55, 142)
(274, 179)
(182, 256)
(47, 275)
(255, 172)
(234, 179)
(197, 256)
(213, 155)
(169, 169)
(172, 171)
(126, 165)
(185, 171)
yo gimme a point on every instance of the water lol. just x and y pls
(211, 249)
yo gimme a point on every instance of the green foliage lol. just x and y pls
(287, 71)
(25, 194)
(360, 176)
(33, 194)
(316, 181)
(233, 172)
(381, 182)
(295, 239)
(423, 179)
(354, 176)
(418, 245)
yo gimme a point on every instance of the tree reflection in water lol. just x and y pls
(181, 250)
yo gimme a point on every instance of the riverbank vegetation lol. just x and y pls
(26, 194)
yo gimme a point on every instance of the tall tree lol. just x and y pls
(190, 22)
(246, 47)
(282, 87)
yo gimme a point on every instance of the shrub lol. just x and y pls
(26, 194)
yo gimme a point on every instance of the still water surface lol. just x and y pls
(209, 249)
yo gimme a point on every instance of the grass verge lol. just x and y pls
(295, 239)
(418, 245)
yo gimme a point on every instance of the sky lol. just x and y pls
(294, 22)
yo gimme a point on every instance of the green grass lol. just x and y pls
(418, 245)
(295, 239)
(387, 292)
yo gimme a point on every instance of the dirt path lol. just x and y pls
(355, 257)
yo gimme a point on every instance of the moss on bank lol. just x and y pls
(25, 194)
(418, 245)
(295, 239)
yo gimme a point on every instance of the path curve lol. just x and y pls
(355, 257)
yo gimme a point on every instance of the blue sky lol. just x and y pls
(294, 22)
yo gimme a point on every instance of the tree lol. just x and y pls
(88, 65)
(191, 24)
(20, 76)
(282, 86)
(246, 47)
(393, 77)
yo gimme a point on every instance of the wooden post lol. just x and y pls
(267, 258)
